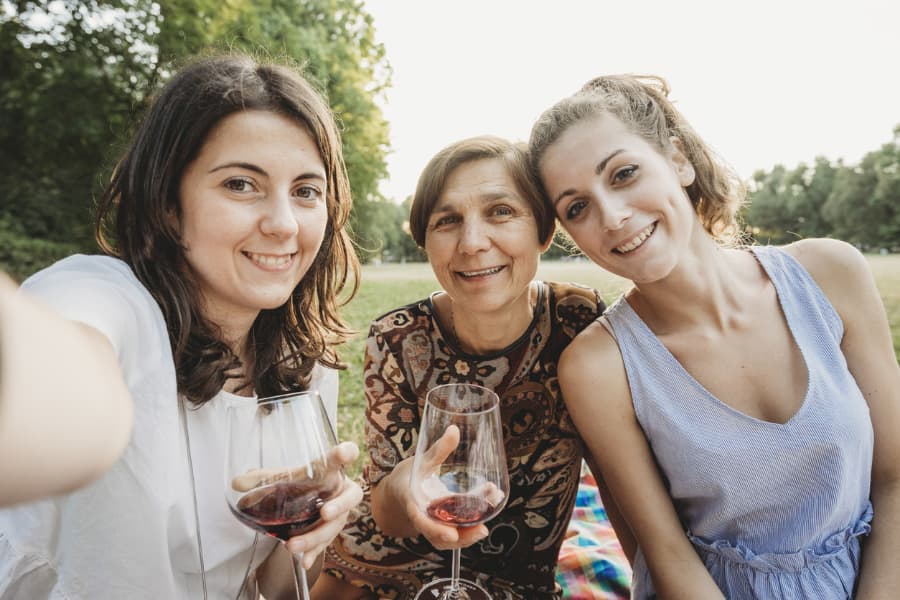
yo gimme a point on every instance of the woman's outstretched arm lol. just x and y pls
(65, 412)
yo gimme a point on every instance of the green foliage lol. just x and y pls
(21, 255)
(75, 75)
(857, 203)
(67, 85)
(864, 206)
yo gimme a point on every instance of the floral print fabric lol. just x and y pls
(407, 353)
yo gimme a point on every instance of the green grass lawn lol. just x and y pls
(385, 287)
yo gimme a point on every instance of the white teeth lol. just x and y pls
(637, 241)
(490, 271)
(268, 260)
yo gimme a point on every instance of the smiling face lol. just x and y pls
(481, 239)
(253, 214)
(620, 198)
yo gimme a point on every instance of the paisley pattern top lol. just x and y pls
(407, 353)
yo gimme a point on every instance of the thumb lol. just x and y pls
(442, 448)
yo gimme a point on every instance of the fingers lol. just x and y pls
(490, 491)
(333, 515)
(343, 454)
(441, 535)
(257, 478)
(447, 537)
(340, 456)
(442, 448)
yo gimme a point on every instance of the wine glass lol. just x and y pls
(279, 470)
(468, 486)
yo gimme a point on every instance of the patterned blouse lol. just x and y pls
(407, 353)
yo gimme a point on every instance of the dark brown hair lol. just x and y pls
(514, 157)
(641, 102)
(142, 199)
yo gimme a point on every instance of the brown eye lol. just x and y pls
(625, 173)
(445, 221)
(574, 210)
(308, 192)
(239, 184)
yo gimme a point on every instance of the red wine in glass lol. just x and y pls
(278, 470)
(464, 485)
(282, 510)
(461, 510)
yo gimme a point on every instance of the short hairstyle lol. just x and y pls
(514, 157)
(141, 206)
(641, 102)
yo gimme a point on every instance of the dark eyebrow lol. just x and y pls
(239, 165)
(261, 171)
(597, 171)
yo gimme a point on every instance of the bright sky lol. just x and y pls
(763, 81)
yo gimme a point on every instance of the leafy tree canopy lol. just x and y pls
(75, 75)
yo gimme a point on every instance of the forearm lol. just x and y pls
(679, 574)
(614, 514)
(879, 577)
(65, 411)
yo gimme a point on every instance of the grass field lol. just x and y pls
(385, 287)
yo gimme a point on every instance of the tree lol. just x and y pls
(863, 204)
(767, 213)
(74, 75)
(68, 79)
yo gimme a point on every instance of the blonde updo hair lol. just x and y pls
(641, 102)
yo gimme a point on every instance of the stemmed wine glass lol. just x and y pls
(279, 470)
(468, 486)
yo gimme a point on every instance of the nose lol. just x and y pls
(614, 211)
(473, 237)
(278, 218)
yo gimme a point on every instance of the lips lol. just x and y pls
(482, 272)
(637, 241)
(270, 260)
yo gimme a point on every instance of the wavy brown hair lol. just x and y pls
(641, 102)
(138, 216)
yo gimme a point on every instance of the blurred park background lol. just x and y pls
(76, 75)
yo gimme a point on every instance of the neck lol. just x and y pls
(483, 333)
(713, 290)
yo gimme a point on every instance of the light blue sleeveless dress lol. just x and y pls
(774, 510)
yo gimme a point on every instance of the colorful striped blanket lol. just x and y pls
(592, 565)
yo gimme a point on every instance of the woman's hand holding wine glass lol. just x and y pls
(284, 474)
(459, 477)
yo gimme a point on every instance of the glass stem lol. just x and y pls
(454, 573)
(301, 589)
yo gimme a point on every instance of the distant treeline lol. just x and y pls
(858, 203)
(76, 74)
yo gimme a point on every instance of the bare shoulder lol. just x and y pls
(839, 268)
(827, 259)
(591, 359)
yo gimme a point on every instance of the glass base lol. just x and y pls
(439, 589)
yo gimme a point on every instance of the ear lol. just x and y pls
(683, 167)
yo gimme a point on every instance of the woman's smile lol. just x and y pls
(271, 262)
